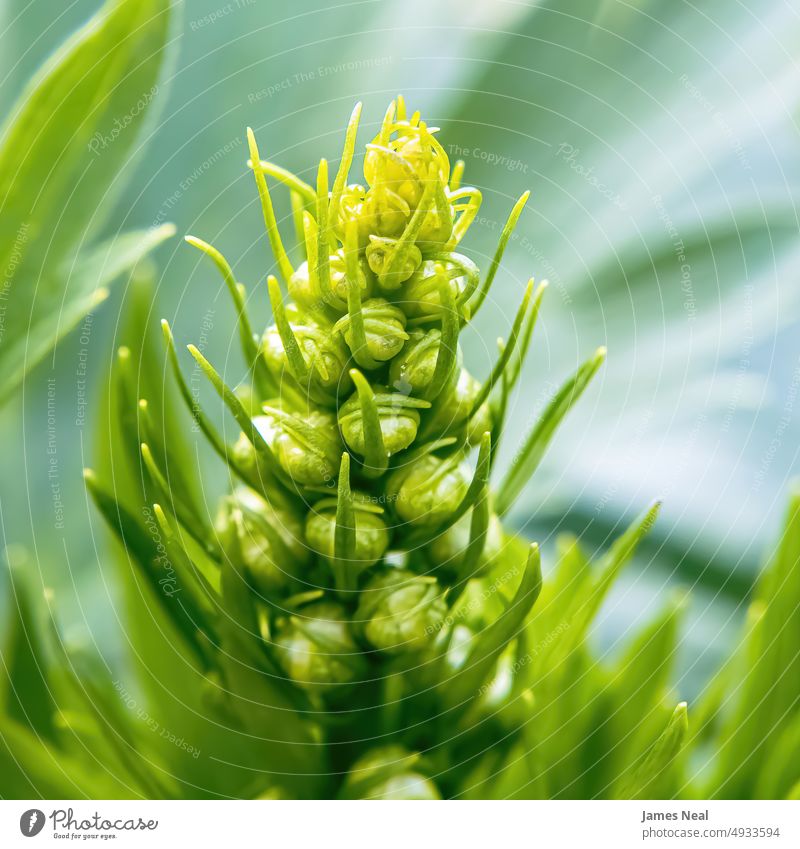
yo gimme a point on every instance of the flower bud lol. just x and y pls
(270, 539)
(380, 252)
(399, 611)
(428, 490)
(388, 772)
(422, 296)
(308, 449)
(386, 211)
(303, 289)
(325, 356)
(447, 550)
(450, 415)
(340, 283)
(412, 370)
(351, 207)
(398, 416)
(384, 327)
(372, 535)
(304, 286)
(316, 648)
(392, 174)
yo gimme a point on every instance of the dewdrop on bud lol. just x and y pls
(384, 326)
(422, 297)
(413, 368)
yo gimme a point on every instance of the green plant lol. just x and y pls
(356, 622)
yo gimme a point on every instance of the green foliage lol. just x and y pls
(65, 150)
(319, 614)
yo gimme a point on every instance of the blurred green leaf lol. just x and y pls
(763, 701)
(659, 758)
(65, 151)
(24, 692)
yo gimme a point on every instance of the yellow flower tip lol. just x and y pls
(123, 353)
(89, 475)
(600, 353)
(143, 404)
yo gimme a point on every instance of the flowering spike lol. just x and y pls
(355, 480)
(271, 223)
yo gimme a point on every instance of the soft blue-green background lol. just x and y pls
(646, 131)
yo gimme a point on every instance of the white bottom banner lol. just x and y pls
(406, 825)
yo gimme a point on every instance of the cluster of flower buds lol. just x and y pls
(364, 506)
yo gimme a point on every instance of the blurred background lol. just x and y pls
(660, 143)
